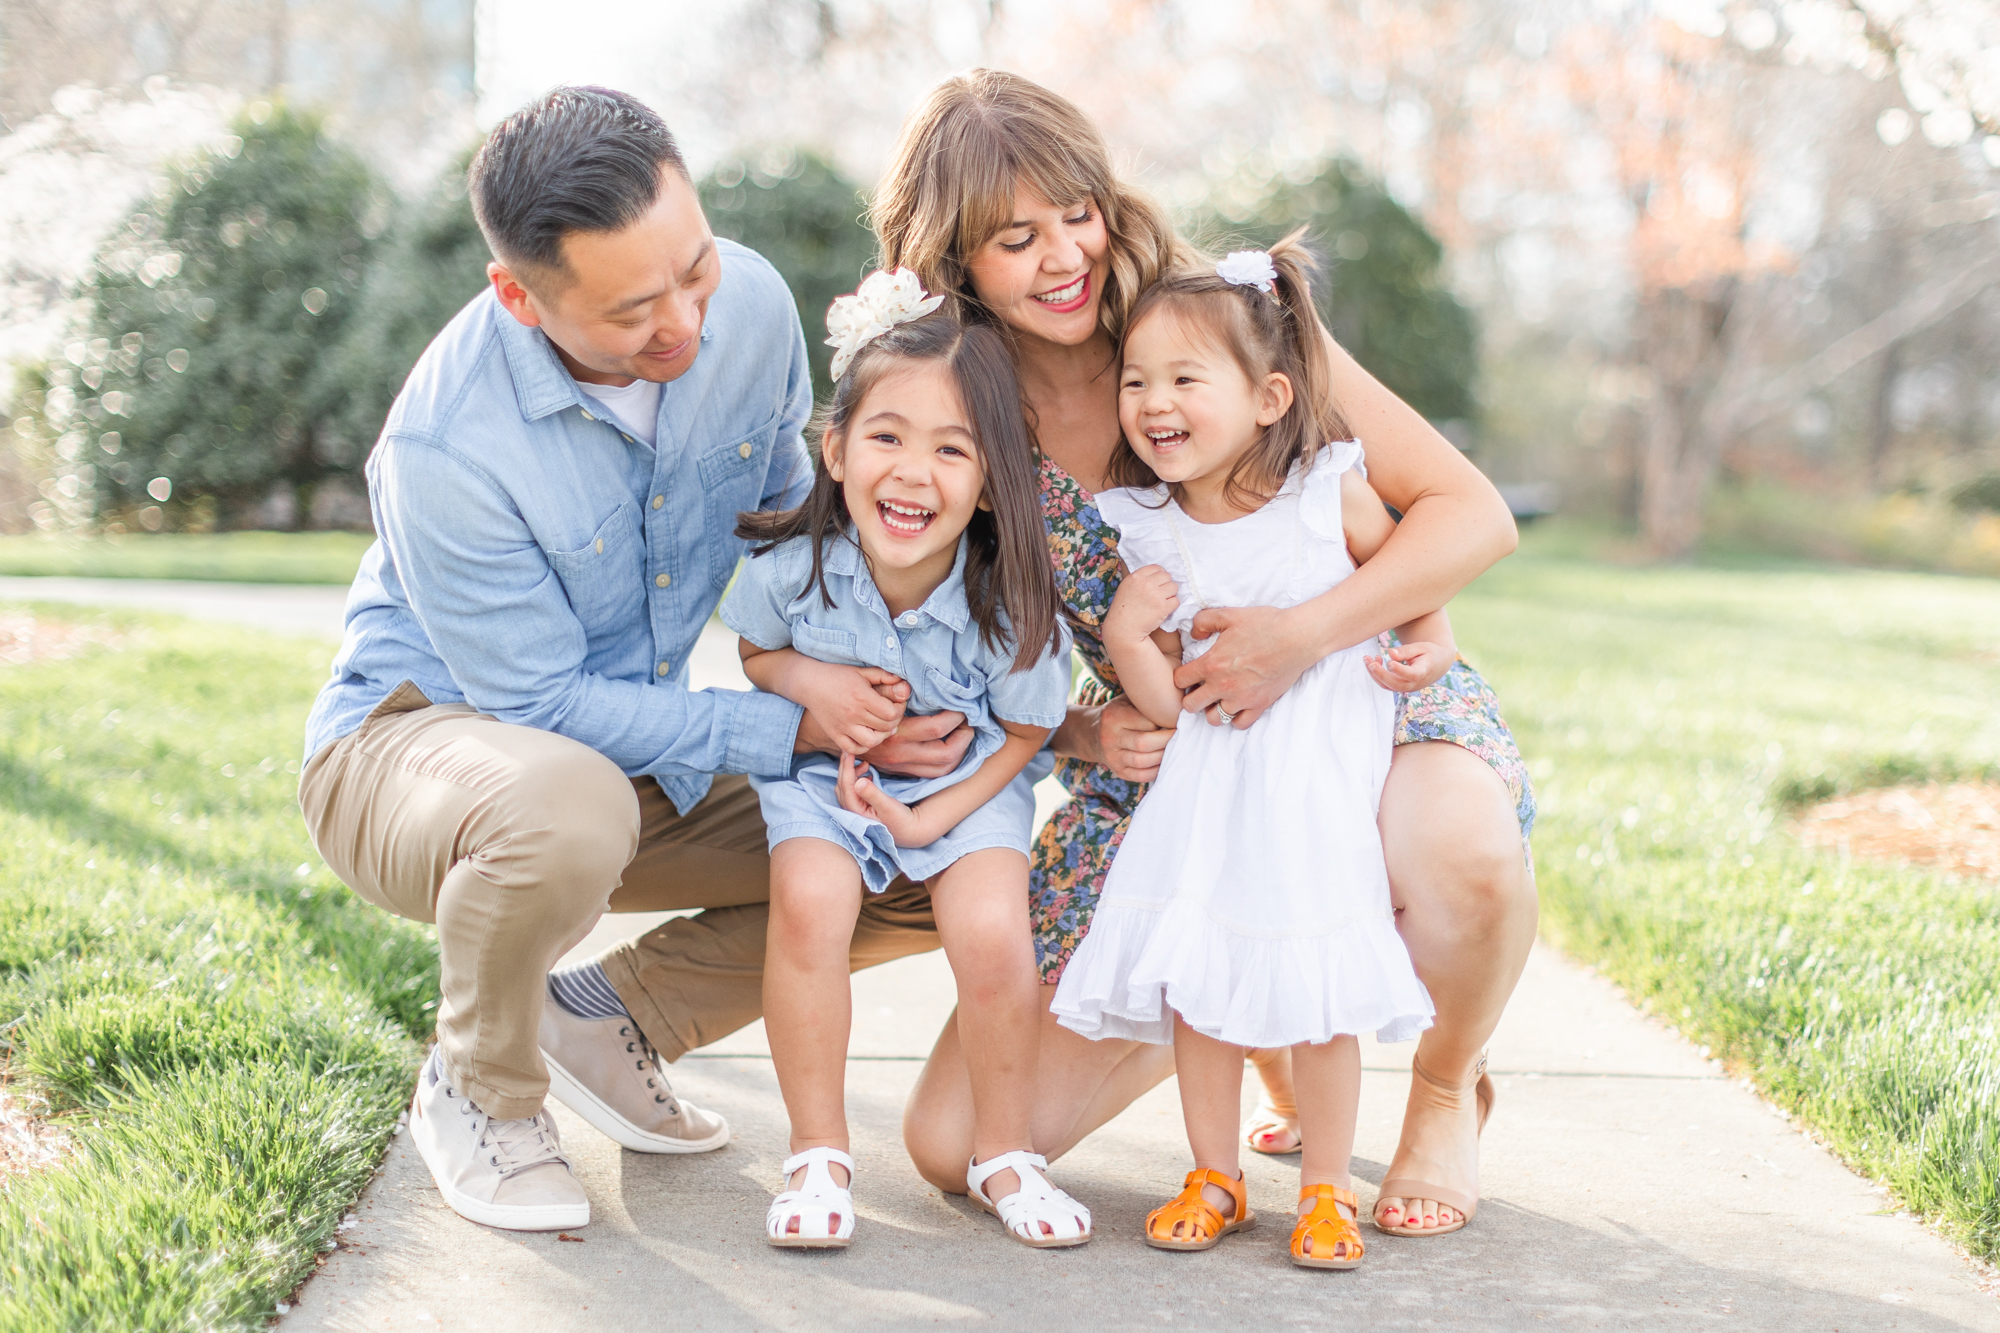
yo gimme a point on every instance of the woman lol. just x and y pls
(1001, 196)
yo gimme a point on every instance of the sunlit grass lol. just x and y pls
(231, 557)
(224, 1030)
(1669, 716)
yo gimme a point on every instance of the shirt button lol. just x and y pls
(659, 500)
(661, 669)
(889, 640)
(743, 449)
(628, 438)
(661, 580)
(910, 619)
(586, 414)
(600, 546)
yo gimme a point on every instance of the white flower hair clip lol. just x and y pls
(885, 298)
(1249, 268)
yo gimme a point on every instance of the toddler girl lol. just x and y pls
(1248, 905)
(914, 577)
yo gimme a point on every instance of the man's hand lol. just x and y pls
(1410, 667)
(923, 747)
(1258, 655)
(860, 794)
(848, 708)
(1146, 597)
(1130, 745)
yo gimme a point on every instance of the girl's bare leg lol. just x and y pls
(1466, 907)
(1079, 1085)
(982, 918)
(1211, 1078)
(815, 899)
(1329, 1093)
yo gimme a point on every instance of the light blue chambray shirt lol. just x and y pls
(536, 562)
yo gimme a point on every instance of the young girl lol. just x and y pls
(1248, 905)
(914, 578)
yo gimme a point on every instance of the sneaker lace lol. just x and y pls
(520, 1144)
(649, 1065)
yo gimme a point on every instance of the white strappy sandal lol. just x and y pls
(1036, 1202)
(814, 1204)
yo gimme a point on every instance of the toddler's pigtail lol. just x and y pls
(1299, 326)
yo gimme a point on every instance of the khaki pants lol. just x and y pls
(514, 841)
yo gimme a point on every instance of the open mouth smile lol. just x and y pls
(1065, 299)
(904, 519)
(1163, 439)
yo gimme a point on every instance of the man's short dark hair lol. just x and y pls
(575, 159)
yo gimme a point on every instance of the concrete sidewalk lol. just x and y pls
(1628, 1185)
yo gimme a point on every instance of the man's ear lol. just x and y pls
(1274, 398)
(520, 302)
(831, 450)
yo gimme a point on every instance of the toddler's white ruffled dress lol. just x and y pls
(1249, 894)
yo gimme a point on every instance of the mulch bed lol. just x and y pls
(1954, 826)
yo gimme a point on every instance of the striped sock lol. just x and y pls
(586, 992)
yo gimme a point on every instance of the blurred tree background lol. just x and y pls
(797, 210)
(1382, 286)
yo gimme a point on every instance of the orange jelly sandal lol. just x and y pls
(1191, 1222)
(1399, 1187)
(1328, 1228)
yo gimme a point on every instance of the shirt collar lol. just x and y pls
(946, 604)
(542, 385)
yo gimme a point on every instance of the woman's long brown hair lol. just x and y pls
(1009, 585)
(1266, 332)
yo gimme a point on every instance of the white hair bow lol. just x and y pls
(1248, 268)
(886, 298)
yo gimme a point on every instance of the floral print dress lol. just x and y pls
(1075, 847)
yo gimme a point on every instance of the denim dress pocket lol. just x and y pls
(826, 645)
(604, 579)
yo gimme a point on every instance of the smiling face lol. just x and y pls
(1043, 273)
(909, 468)
(628, 304)
(1188, 408)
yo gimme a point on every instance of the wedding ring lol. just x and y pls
(1228, 718)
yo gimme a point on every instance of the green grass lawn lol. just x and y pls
(232, 557)
(228, 1034)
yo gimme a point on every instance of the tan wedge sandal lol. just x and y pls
(1403, 1187)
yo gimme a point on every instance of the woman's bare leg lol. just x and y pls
(1079, 1085)
(1466, 907)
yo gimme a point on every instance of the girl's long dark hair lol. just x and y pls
(1009, 585)
(1266, 332)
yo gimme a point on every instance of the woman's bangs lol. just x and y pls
(994, 176)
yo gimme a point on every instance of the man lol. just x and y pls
(508, 745)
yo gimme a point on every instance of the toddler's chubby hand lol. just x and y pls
(858, 707)
(1410, 667)
(1145, 599)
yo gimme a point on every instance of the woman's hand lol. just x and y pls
(1409, 667)
(1259, 653)
(923, 747)
(1128, 742)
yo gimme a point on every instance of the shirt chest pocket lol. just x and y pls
(825, 645)
(733, 479)
(605, 578)
(963, 692)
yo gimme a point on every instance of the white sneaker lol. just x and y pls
(500, 1173)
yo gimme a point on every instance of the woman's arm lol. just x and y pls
(1116, 735)
(924, 823)
(1455, 526)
